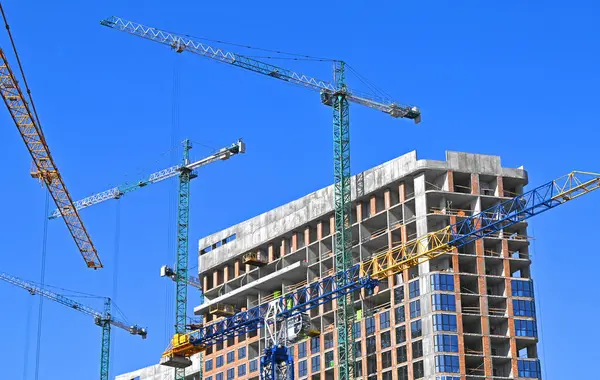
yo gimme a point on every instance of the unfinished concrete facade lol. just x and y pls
(466, 315)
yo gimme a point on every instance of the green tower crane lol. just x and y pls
(338, 96)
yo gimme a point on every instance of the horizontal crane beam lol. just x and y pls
(99, 317)
(181, 43)
(118, 191)
(367, 274)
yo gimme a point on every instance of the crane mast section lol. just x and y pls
(46, 168)
(161, 175)
(182, 43)
(367, 274)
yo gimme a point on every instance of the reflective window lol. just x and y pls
(208, 365)
(447, 378)
(358, 349)
(416, 329)
(302, 368)
(399, 294)
(529, 369)
(400, 314)
(231, 374)
(371, 364)
(242, 353)
(386, 375)
(441, 281)
(415, 309)
(413, 289)
(522, 288)
(219, 376)
(447, 363)
(524, 308)
(525, 328)
(230, 357)
(315, 344)
(358, 368)
(328, 341)
(315, 363)
(242, 370)
(219, 361)
(443, 302)
(444, 322)
(446, 343)
(384, 320)
(329, 359)
(370, 325)
(301, 350)
(356, 330)
(371, 345)
(254, 365)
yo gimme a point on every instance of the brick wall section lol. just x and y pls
(450, 180)
(475, 183)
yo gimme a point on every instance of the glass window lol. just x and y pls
(524, 308)
(386, 339)
(242, 370)
(418, 369)
(208, 365)
(358, 349)
(529, 369)
(399, 294)
(384, 320)
(302, 368)
(208, 378)
(400, 334)
(315, 345)
(417, 349)
(315, 363)
(219, 376)
(358, 368)
(446, 343)
(522, 288)
(525, 328)
(371, 345)
(230, 342)
(443, 282)
(254, 365)
(386, 359)
(400, 315)
(328, 341)
(386, 375)
(403, 373)
(415, 309)
(356, 330)
(401, 354)
(242, 353)
(444, 322)
(230, 357)
(219, 361)
(447, 378)
(413, 289)
(371, 364)
(445, 302)
(447, 363)
(231, 374)
(301, 350)
(370, 325)
(329, 359)
(416, 329)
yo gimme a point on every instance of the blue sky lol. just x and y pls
(510, 79)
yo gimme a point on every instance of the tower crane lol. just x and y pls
(283, 318)
(186, 172)
(334, 94)
(104, 319)
(46, 169)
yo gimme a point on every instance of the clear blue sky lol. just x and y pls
(510, 79)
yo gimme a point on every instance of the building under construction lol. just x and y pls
(465, 315)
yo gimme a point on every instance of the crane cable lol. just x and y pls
(42, 281)
(12, 41)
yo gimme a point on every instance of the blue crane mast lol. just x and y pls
(104, 319)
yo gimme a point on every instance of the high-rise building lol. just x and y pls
(465, 315)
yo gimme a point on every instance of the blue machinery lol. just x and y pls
(103, 319)
(277, 363)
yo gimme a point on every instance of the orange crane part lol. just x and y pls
(45, 168)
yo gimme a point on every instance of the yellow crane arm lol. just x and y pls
(46, 169)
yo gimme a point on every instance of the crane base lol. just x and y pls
(175, 361)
